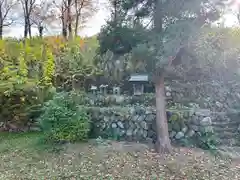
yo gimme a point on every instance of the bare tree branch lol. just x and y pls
(27, 6)
(6, 19)
(84, 9)
(42, 14)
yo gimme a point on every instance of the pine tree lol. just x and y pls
(173, 23)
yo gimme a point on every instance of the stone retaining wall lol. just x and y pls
(214, 95)
(138, 123)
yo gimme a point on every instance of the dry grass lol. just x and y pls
(20, 160)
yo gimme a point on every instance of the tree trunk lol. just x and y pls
(1, 30)
(1, 24)
(64, 22)
(158, 17)
(25, 28)
(70, 35)
(26, 19)
(64, 29)
(163, 144)
(78, 12)
(69, 19)
(40, 31)
(29, 29)
(76, 26)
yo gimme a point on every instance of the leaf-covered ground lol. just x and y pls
(20, 160)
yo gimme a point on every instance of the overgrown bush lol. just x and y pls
(26, 75)
(206, 141)
(146, 99)
(21, 95)
(22, 105)
(63, 120)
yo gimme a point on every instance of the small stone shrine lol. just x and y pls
(116, 91)
(139, 82)
(94, 89)
(103, 89)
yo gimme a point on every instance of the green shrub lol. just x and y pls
(206, 141)
(22, 86)
(146, 99)
(22, 104)
(64, 120)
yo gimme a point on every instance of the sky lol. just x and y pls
(94, 24)
(92, 27)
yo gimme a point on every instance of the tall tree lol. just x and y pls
(27, 6)
(64, 20)
(120, 34)
(173, 23)
(69, 18)
(83, 10)
(64, 11)
(73, 14)
(43, 13)
(61, 13)
(6, 9)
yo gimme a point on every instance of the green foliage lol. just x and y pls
(75, 63)
(22, 90)
(175, 115)
(217, 50)
(206, 141)
(118, 38)
(147, 99)
(22, 104)
(49, 64)
(63, 120)
(152, 45)
(27, 71)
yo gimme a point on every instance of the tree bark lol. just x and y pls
(29, 28)
(1, 30)
(40, 31)
(77, 18)
(26, 19)
(25, 28)
(163, 144)
(64, 29)
(69, 19)
(64, 21)
(1, 23)
(70, 35)
(76, 26)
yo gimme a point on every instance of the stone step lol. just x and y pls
(224, 119)
(226, 134)
(229, 149)
(221, 120)
(232, 152)
(225, 124)
(225, 129)
(230, 142)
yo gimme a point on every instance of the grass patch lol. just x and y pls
(18, 141)
(26, 143)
